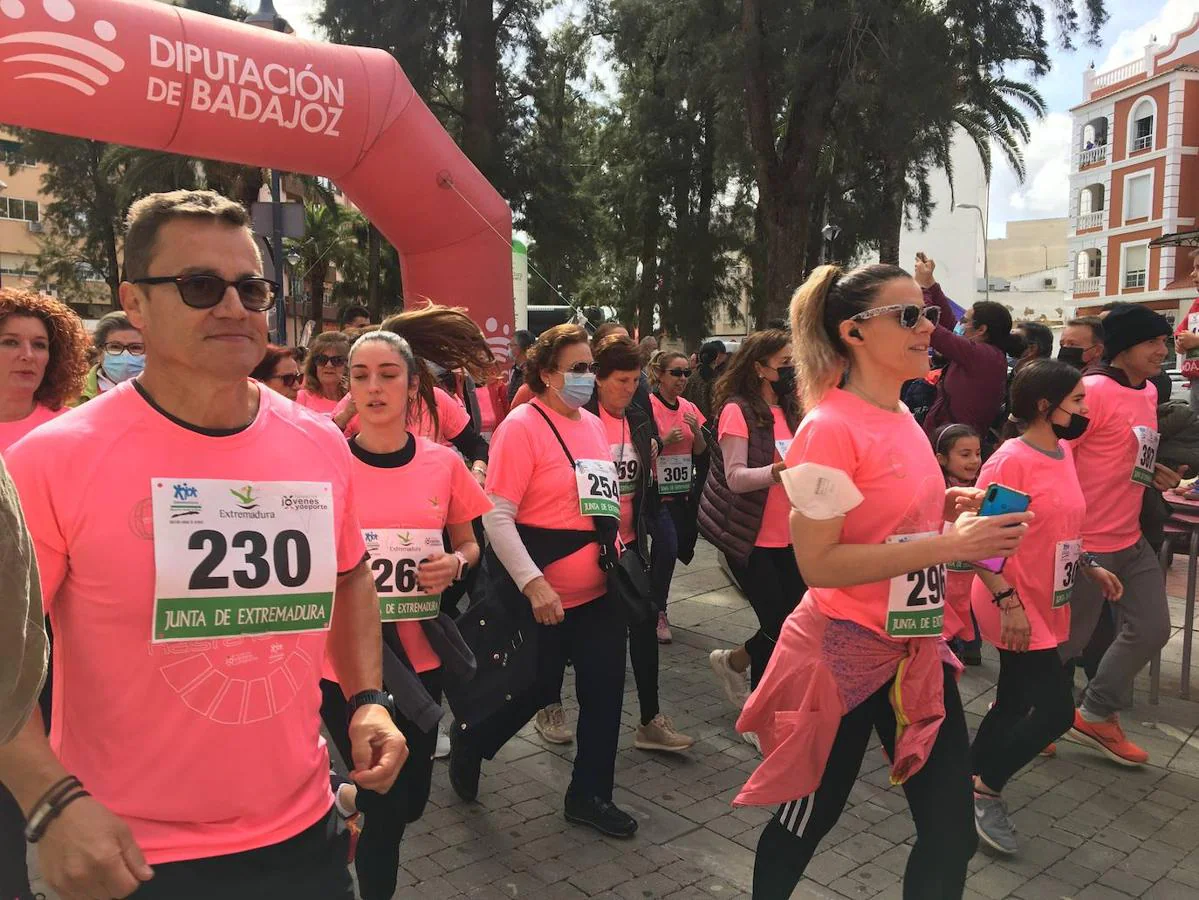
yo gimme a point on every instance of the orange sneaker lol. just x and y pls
(1050, 750)
(1108, 737)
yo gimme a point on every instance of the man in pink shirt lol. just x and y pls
(193, 531)
(1117, 461)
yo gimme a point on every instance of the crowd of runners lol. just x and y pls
(231, 544)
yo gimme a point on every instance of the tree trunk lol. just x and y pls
(373, 294)
(701, 286)
(785, 223)
(480, 85)
(316, 297)
(890, 210)
(647, 287)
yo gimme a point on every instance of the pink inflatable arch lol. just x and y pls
(152, 75)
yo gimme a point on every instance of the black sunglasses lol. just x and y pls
(582, 368)
(909, 313)
(321, 359)
(206, 291)
(290, 380)
(679, 373)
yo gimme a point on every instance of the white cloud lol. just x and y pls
(1045, 191)
(1129, 45)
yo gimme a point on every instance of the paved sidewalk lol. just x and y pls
(1090, 830)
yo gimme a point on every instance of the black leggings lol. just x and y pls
(1034, 705)
(385, 816)
(14, 876)
(771, 581)
(939, 796)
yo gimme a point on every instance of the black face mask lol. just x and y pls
(786, 383)
(1073, 356)
(1073, 431)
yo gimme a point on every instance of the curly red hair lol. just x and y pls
(69, 343)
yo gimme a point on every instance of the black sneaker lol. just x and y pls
(602, 815)
(465, 765)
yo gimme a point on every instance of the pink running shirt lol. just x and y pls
(628, 470)
(203, 747)
(1059, 507)
(528, 468)
(11, 432)
(432, 490)
(668, 419)
(317, 403)
(775, 530)
(1105, 456)
(888, 458)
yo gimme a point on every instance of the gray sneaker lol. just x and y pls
(993, 825)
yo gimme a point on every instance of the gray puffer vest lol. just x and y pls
(728, 520)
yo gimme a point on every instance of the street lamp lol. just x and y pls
(982, 217)
(267, 17)
(3, 187)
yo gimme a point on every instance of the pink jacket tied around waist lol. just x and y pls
(820, 670)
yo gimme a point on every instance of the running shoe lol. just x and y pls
(734, 683)
(993, 825)
(660, 734)
(465, 767)
(551, 725)
(442, 750)
(1050, 750)
(664, 635)
(602, 815)
(1108, 738)
(751, 738)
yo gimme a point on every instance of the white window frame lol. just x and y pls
(7, 218)
(1124, 248)
(1139, 173)
(1132, 122)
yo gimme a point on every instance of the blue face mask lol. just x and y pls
(577, 388)
(123, 366)
(960, 329)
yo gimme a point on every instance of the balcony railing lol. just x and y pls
(1090, 220)
(1144, 142)
(1086, 285)
(1134, 278)
(1115, 76)
(1093, 156)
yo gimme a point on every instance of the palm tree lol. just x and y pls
(328, 244)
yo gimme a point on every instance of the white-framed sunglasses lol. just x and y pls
(909, 314)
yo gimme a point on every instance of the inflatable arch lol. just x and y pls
(152, 75)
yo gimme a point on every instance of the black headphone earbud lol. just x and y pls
(853, 332)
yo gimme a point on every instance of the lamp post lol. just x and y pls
(982, 217)
(267, 17)
(3, 187)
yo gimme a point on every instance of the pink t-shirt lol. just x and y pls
(11, 432)
(317, 403)
(432, 490)
(1106, 455)
(775, 530)
(203, 747)
(1059, 509)
(888, 458)
(528, 468)
(628, 470)
(668, 419)
(451, 416)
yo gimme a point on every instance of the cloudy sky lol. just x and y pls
(1045, 192)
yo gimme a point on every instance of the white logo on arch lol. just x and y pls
(88, 56)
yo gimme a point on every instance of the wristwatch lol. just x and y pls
(463, 565)
(364, 698)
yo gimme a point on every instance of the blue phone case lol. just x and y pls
(998, 500)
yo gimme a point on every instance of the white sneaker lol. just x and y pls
(443, 745)
(734, 683)
(551, 725)
(751, 738)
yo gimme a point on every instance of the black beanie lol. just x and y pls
(1127, 326)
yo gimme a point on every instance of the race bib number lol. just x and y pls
(1193, 323)
(1147, 441)
(782, 447)
(916, 600)
(395, 553)
(1066, 560)
(628, 467)
(674, 474)
(236, 559)
(598, 487)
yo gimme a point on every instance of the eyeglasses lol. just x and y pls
(582, 368)
(291, 379)
(322, 360)
(909, 314)
(206, 291)
(679, 373)
(115, 347)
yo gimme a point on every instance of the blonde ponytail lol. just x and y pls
(819, 363)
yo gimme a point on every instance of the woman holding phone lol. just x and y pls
(1024, 609)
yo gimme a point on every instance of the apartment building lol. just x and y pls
(21, 204)
(1135, 177)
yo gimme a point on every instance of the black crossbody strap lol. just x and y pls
(565, 449)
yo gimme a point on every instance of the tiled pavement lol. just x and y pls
(1089, 829)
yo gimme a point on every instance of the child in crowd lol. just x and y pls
(959, 451)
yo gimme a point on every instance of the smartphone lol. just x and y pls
(998, 500)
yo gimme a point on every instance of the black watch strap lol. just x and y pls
(363, 698)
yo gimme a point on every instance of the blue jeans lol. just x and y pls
(664, 553)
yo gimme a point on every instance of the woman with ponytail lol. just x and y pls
(863, 650)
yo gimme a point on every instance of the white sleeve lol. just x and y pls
(820, 492)
(500, 524)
